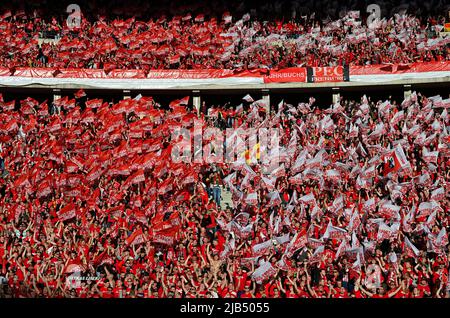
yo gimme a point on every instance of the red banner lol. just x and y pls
(288, 75)
(137, 237)
(68, 212)
(4, 71)
(401, 68)
(293, 74)
(127, 74)
(326, 74)
(34, 72)
(189, 74)
(81, 73)
(166, 236)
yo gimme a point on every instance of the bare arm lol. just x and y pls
(438, 292)
(308, 279)
(393, 293)
(280, 286)
(365, 291)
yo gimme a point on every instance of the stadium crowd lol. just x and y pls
(219, 41)
(94, 204)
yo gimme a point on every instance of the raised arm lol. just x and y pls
(280, 286)
(293, 284)
(438, 292)
(183, 279)
(208, 254)
(330, 290)
(394, 292)
(365, 291)
(308, 279)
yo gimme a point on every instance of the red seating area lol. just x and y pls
(230, 42)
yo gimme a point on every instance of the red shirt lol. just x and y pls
(341, 295)
(380, 296)
(240, 280)
(401, 294)
(424, 289)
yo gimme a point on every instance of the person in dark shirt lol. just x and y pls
(41, 57)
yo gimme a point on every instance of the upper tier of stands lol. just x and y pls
(195, 37)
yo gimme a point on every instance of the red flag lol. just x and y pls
(68, 212)
(395, 161)
(124, 106)
(94, 103)
(22, 181)
(174, 59)
(299, 241)
(162, 50)
(45, 188)
(141, 217)
(29, 101)
(55, 125)
(6, 15)
(103, 258)
(71, 167)
(200, 18)
(190, 177)
(166, 236)
(80, 94)
(136, 177)
(43, 109)
(9, 105)
(179, 102)
(137, 237)
(165, 186)
(94, 174)
(187, 17)
(148, 161)
(61, 101)
(88, 117)
(11, 126)
(183, 196)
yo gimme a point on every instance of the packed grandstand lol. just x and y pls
(144, 198)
